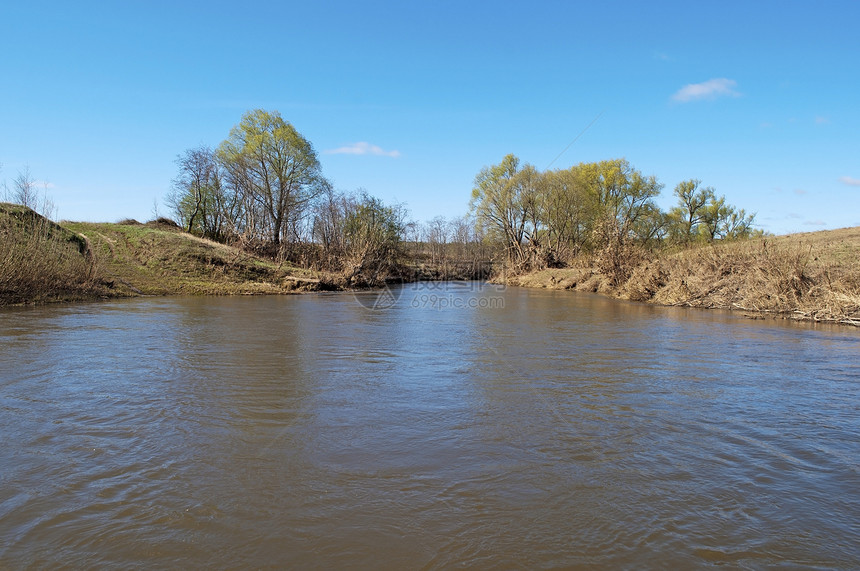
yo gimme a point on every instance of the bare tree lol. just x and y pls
(328, 227)
(24, 191)
(196, 194)
(437, 241)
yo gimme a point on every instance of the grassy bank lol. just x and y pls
(812, 276)
(41, 261)
(159, 259)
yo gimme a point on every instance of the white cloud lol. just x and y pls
(849, 181)
(711, 89)
(822, 120)
(815, 223)
(362, 148)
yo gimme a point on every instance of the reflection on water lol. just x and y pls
(497, 429)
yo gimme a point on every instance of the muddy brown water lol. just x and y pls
(451, 426)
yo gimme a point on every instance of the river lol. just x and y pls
(429, 426)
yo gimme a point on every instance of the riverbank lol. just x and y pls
(158, 258)
(43, 262)
(811, 276)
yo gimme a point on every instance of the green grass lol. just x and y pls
(41, 261)
(156, 259)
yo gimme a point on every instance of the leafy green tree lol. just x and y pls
(624, 215)
(566, 211)
(723, 221)
(702, 215)
(691, 211)
(504, 201)
(623, 195)
(651, 226)
(739, 225)
(275, 167)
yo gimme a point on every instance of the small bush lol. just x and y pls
(162, 221)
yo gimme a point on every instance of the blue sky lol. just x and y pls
(409, 100)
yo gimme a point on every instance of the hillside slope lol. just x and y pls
(41, 261)
(159, 259)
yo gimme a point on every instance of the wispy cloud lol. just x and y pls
(818, 222)
(849, 181)
(711, 89)
(821, 120)
(362, 148)
(799, 191)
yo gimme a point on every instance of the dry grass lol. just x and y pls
(814, 276)
(41, 261)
